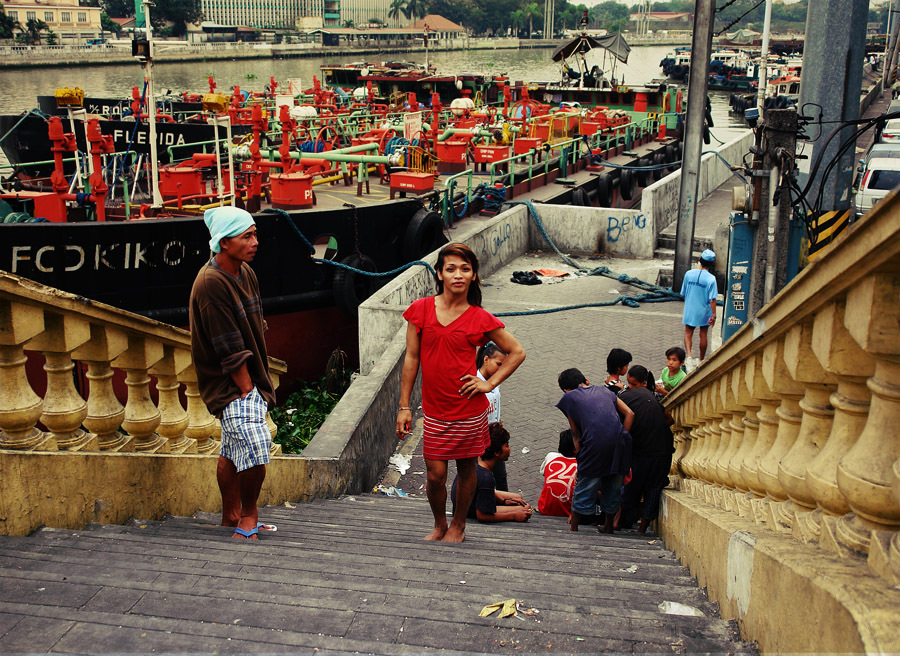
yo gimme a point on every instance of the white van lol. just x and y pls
(881, 176)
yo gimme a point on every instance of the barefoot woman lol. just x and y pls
(443, 334)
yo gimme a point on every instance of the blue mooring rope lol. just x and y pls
(340, 265)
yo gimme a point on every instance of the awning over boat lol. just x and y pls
(615, 43)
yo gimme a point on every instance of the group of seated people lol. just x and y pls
(611, 464)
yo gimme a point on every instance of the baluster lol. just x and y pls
(894, 554)
(64, 409)
(864, 474)
(745, 426)
(711, 435)
(789, 415)
(767, 431)
(726, 444)
(104, 412)
(174, 419)
(201, 425)
(142, 418)
(20, 407)
(838, 354)
(815, 427)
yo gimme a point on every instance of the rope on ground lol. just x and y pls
(340, 265)
(652, 293)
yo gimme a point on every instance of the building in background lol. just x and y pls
(268, 14)
(362, 11)
(72, 23)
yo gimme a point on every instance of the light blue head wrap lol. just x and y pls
(224, 222)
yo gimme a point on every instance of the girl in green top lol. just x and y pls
(673, 374)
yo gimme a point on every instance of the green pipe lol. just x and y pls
(449, 132)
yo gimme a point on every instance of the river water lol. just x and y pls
(23, 86)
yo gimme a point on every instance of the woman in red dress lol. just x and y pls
(443, 335)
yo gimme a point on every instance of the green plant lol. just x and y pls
(301, 415)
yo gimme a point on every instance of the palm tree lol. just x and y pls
(531, 11)
(33, 29)
(397, 6)
(518, 20)
(416, 8)
(8, 26)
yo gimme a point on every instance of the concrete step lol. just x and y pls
(667, 240)
(349, 574)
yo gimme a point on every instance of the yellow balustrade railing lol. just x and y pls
(68, 331)
(793, 423)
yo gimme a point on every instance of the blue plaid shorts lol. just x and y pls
(246, 440)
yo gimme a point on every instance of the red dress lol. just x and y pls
(455, 427)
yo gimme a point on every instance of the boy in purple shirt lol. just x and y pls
(602, 445)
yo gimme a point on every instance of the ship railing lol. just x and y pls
(568, 150)
(80, 340)
(448, 209)
(792, 424)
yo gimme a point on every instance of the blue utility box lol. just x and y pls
(740, 252)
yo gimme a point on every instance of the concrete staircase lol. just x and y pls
(346, 575)
(665, 250)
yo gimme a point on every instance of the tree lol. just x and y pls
(396, 7)
(611, 15)
(348, 23)
(33, 29)
(118, 8)
(8, 26)
(416, 8)
(107, 24)
(51, 38)
(518, 20)
(531, 11)
(177, 12)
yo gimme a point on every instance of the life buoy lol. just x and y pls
(580, 198)
(659, 161)
(643, 177)
(604, 190)
(626, 184)
(423, 234)
(351, 288)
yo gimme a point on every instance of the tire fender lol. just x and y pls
(626, 184)
(643, 177)
(604, 190)
(351, 288)
(424, 233)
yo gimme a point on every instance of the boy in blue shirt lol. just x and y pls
(700, 292)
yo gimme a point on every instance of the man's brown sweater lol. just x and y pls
(227, 330)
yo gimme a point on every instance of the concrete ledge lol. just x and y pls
(785, 595)
(594, 229)
(72, 489)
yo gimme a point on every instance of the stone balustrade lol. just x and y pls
(793, 423)
(69, 332)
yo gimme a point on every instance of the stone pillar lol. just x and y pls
(20, 407)
(865, 474)
(142, 418)
(779, 380)
(104, 412)
(201, 424)
(64, 409)
(814, 429)
(838, 354)
(174, 419)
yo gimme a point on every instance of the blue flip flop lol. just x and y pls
(245, 534)
(271, 528)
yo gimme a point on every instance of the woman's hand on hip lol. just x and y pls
(473, 385)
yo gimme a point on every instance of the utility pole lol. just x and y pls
(764, 59)
(701, 48)
(768, 270)
(890, 52)
(832, 81)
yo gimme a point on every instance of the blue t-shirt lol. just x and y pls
(604, 447)
(485, 499)
(698, 289)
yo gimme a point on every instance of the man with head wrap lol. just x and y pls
(229, 351)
